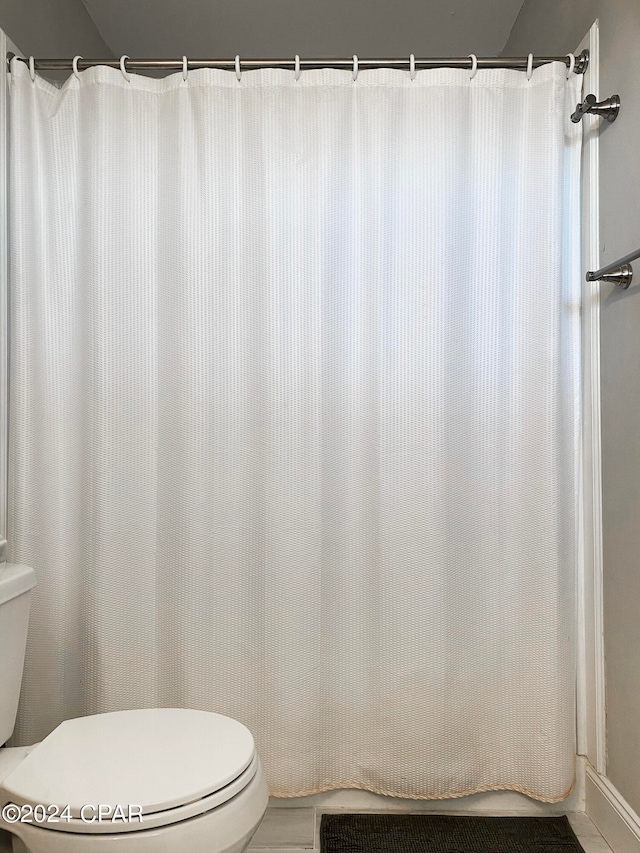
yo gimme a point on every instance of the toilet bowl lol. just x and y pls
(155, 780)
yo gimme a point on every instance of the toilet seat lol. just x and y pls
(172, 763)
(164, 818)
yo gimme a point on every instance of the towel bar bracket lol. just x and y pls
(607, 109)
(622, 276)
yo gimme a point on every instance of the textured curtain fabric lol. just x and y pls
(294, 415)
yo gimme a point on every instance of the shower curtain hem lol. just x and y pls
(449, 795)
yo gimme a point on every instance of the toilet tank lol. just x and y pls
(16, 583)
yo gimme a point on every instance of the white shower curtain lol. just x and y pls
(294, 415)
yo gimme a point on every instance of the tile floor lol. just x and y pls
(296, 830)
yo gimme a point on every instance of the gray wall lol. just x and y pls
(282, 28)
(45, 28)
(557, 26)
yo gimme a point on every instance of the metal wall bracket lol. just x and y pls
(607, 109)
(617, 272)
(622, 276)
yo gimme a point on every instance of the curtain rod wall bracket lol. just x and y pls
(607, 109)
(582, 62)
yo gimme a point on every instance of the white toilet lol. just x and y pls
(158, 780)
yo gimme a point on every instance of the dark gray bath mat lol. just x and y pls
(420, 833)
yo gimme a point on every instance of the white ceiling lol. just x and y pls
(324, 28)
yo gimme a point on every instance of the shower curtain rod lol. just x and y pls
(469, 62)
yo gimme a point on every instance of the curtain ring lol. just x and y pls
(125, 74)
(412, 67)
(572, 64)
(32, 69)
(474, 65)
(238, 69)
(354, 73)
(297, 67)
(529, 66)
(74, 65)
(185, 68)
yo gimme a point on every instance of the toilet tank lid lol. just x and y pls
(14, 580)
(157, 759)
